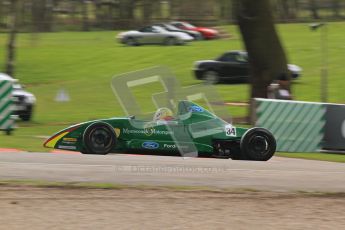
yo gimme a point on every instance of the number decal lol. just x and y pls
(230, 131)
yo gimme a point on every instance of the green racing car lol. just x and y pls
(193, 131)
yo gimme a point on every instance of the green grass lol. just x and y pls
(83, 63)
(172, 188)
(112, 186)
(315, 156)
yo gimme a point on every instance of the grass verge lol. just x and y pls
(90, 185)
(109, 186)
(315, 156)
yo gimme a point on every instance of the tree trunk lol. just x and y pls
(85, 15)
(147, 11)
(49, 16)
(42, 15)
(110, 17)
(99, 19)
(266, 55)
(127, 9)
(336, 8)
(225, 10)
(11, 47)
(1, 12)
(127, 13)
(314, 9)
(73, 12)
(285, 9)
(294, 9)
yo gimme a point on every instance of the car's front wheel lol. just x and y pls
(99, 138)
(258, 144)
(131, 42)
(170, 41)
(211, 77)
(27, 114)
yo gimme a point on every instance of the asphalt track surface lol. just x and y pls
(277, 174)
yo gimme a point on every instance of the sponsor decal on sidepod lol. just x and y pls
(197, 109)
(147, 131)
(150, 145)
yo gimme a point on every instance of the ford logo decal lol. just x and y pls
(150, 145)
(195, 108)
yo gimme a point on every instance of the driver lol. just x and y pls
(163, 114)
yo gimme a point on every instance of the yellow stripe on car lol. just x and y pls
(51, 143)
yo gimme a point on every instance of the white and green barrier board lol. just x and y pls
(6, 121)
(297, 126)
(334, 138)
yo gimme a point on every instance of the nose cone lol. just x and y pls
(51, 142)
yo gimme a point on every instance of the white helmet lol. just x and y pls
(163, 114)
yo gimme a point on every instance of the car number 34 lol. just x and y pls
(230, 131)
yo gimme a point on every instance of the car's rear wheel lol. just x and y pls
(211, 77)
(258, 144)
(99, 138)
(170, 41)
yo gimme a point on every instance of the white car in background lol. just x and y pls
(153, 35)
(23, 101)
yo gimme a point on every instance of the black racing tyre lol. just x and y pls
(170, 41)
(211, 77)
(99, 138)
(258, 144)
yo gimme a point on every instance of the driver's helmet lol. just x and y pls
(163, 114)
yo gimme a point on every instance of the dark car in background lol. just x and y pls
(231, 66)
(195, 34)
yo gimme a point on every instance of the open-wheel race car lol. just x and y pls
(192, 130)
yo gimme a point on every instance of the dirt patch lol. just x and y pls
(27, 207)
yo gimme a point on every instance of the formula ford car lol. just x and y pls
(194, 130)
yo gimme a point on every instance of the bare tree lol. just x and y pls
(2, 13)
(336, 8)
(11, 49)
(106, 12)
(314, 7)
(225, 9)
(126, 13)
(73, 10)
(266, 54)
(85, 15)
(285, 9)
(295, 8)
(42, 15)
(127, 9)
(148, 10)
